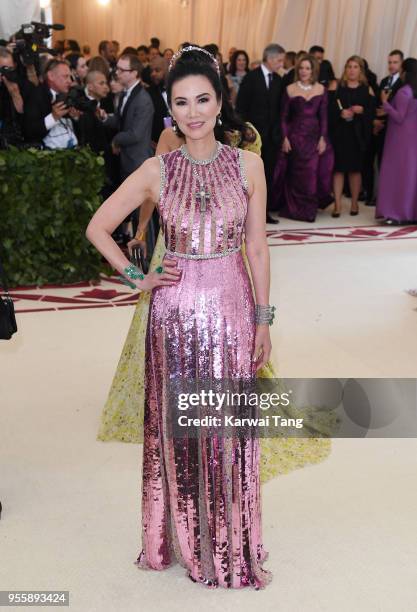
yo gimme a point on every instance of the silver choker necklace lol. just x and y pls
(201, 162)
(304, 87)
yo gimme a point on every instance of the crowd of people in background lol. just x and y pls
(321, 136)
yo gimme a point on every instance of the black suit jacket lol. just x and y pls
(92, 131)
(260, 105)
(384, 85)
(397, 85)
(37, 105)
(326, 73)
(161, 111)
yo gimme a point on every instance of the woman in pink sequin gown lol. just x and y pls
(201, 496)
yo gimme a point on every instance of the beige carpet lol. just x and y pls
(341, 534)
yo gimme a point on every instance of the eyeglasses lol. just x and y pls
(118, 69)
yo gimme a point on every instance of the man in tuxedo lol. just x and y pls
(326, 73)
(258, 101)
(132, 121)
(157, 91)
(392, 84)
(46, 121)
(91, 129)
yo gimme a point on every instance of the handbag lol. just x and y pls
(7, 317)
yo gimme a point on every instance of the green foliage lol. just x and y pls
(46, 201)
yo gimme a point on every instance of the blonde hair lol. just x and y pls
(362, 76)
(315, 68)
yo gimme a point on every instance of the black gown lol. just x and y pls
(350, 139)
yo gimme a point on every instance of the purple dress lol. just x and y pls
(201, 504)
(397, 189)
(303, 178)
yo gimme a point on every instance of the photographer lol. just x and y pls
(11, 102)
(47, 118)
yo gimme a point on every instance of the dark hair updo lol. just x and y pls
(194, 63)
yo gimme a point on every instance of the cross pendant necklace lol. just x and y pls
(202, 195)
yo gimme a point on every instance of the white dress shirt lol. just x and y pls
(266, 72)
(394, 77)
(61, 133)
(91, 97)
(127, 94)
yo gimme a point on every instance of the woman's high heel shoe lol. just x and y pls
(354, 212)
(336, 213)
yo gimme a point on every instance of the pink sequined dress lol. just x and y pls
(201, 504)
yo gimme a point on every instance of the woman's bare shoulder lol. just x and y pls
(253, 166)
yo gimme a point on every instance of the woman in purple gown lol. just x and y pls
(201, 504)
(303, 172)
(397, 189)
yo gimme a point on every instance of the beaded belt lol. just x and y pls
(205, 256)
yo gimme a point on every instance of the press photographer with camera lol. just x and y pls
(49, 111)
(11, 101)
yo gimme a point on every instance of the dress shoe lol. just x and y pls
(354, 212)
(270, 219)
(336, 213)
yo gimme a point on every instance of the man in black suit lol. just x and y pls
(157, 91)
(326, 73)
(392, 84)
(45, 121)
(91, 129)
(258, 101)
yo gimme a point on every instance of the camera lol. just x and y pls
(10, 73)
(76, 98)
(30, 41)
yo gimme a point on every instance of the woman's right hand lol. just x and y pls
(286, 145)
(170, 276)
(347, 113)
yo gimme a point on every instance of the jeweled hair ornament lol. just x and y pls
(193, 48)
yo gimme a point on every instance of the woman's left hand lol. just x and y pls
(357, 109)
(321, 147)
(263, 346)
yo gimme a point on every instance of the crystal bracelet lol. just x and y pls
(264, 314)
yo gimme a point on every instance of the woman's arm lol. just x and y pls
(402, 98)
(141, 184)
(257, 250)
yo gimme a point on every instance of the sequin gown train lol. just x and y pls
(201, 502)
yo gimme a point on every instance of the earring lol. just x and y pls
(219, 120)
(174, 125)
